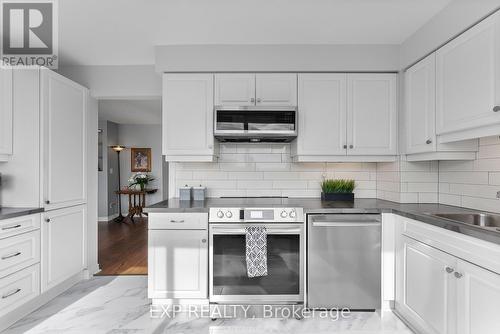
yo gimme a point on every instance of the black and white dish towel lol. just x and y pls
(256, 251)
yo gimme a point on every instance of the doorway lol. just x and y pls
(135, 126)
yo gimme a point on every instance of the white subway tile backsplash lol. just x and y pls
(245, 175)
(494, 178)
(268, 170)
(464, 177)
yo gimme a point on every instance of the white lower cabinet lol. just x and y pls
(178, 264)
(478, 300)
(19, 288)
(426, 296)
(438, 293)
(63, 240)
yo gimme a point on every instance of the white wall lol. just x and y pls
(102, 192)
(277, 58)
(117, 82)
(141, 136)
(458, 16)
(267, 170)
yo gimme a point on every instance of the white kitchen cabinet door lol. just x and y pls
(63, 244)
(6, 111)
(235, 89)
(276, 89)
(420, 106)
(321, 115)
(478, 300)
(63, 152)
(178, 264)
(371, 114)
(428, 293)
(188, 117)
(466, 73)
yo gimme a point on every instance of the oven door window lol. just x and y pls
(230, 272)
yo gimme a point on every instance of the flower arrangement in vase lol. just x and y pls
(140, 180)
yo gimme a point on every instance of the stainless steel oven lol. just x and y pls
(229, 282)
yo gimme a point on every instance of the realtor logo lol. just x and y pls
(29, 33)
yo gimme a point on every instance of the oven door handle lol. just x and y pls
(269, 230)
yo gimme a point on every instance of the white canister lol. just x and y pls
(199, 193)
(185, 193)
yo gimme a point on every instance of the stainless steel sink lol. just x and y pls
(477, 219)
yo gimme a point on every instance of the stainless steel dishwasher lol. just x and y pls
(343, 261)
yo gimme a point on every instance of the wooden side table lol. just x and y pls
(136, 201)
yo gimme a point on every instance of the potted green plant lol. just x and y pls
(337, 190)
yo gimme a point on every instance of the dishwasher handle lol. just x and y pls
(346, 224)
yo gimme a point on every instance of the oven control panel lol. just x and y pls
(256, 215)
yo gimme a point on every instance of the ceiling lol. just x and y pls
(131, 111)
(124, 32)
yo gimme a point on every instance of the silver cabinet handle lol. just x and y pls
(204, 240)
(496, 108)
(428, 141)
(252, 99)
(345, 146)
(13, 292)
(177, 221)
(458, 275)
(351, 146)
(449, 270)
(259, 100)
(346, 224)
(11, 227)
(5, 257)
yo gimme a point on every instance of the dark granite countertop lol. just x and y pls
(315, 205)
(6, 212)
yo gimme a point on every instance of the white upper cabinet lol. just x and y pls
(188, 117)
(276, 89)
(63, 117)
(321, 116)
(420, 113)
(467, 82)
(371, 114)
(235, 89)
(6, 113)
(249, 89)
(420, 106)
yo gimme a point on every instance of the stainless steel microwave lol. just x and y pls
(255, 123)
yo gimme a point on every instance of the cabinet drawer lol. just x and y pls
(18, 288)
(178, 221)
(18, 225)
(19, 252)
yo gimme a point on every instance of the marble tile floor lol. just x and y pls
(119, 305)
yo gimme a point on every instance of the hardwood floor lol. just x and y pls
(123, 248)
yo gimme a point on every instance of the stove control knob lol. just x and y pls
(220, 214)
(283, 214)
(292, 214)
(229, 214)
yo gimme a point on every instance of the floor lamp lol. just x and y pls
(118, 149)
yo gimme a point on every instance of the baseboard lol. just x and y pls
(12, 317)
(107, 218)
